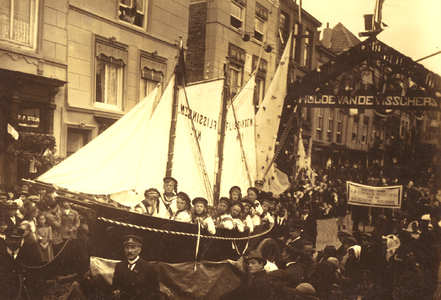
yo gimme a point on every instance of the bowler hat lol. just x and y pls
(169, 178)
(14, 232)
(344, 232)
(132, 240)
(255, 254)
(199, 200)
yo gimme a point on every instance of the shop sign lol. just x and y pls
(29, 117)
(364, 195)
(368, 101)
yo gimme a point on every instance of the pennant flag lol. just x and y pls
(13, 132)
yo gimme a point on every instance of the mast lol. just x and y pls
(179, 80)
(221, 142)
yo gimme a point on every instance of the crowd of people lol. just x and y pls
(398, 259)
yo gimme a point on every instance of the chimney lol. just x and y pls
(327, 36)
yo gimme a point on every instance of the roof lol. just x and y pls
(342, 39)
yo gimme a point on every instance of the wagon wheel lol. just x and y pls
(269, 250)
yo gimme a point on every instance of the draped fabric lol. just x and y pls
(267, 125)
(239, 159)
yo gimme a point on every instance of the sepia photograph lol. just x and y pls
(220, 149)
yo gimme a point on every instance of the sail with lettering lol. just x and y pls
(239, 155)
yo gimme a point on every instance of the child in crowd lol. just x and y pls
(256, 210)
(44, 239)
(224, 219)
(201, 215)
(247, 213)
(236, 214)
(183, 206)
(266, 217)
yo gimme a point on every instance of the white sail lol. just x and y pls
(194, 157)
(239, 155)
(267, 125)
(127, 156)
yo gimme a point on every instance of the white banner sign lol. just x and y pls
(364, 195)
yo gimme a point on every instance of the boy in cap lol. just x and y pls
(236, 214)
(235, 193)
(256, 210)
(224, 219)
(266, 217)
(183, 205)
(247, 214)
(150, 205)
(201, 216)
(169, 195)
(12, 219)
(258, 285)
(135, 278)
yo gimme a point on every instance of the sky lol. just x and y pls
(414, 26)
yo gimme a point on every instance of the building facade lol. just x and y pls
(70, 69)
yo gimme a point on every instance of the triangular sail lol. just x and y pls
(239, 156)
(267, 126)
(194, 161)
(124, 156)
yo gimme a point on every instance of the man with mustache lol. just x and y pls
(135, 278)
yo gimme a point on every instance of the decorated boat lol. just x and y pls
(185, 132)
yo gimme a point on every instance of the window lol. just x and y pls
(260, 79)
(364, 133)
(320, 123)
(153, 69)
(109, 69)
(295, 45)
(283, 31)
(237, 13)
(18, 22)
(330, 124)
(237, 61)
(133, 12)
(76, 139)
(354, 130)
(307, 50)
(339, 125)
(260, 22)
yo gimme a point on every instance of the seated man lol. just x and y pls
(224, 219)
(135, 278)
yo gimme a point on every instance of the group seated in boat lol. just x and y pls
(233, 213)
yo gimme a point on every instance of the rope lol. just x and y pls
(183, 233)
(197, 244)
(46, 264)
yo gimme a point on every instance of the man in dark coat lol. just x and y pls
(16, 280)
(310, 227)
(11, 218)
(135, 278)
(257, 286)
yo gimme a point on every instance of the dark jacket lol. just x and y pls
(258, 288)
(140, 283)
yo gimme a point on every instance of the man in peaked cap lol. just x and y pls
(17, 280)
(135, 278)
(12, 219)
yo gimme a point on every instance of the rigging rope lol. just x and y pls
(183, 233)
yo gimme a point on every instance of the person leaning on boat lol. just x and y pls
(183, 205)
(201, 216)
(150, 205)
(223, 218)
(135, 278)
(169, 195)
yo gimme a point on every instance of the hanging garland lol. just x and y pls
(35, 147)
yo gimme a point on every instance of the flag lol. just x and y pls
(180, 67)
(301, 155)
(13, 132)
